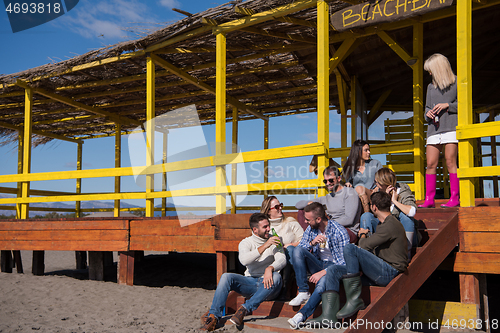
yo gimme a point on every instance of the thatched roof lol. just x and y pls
(271, 66)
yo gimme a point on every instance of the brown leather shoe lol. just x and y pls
(209, 323)
(237, 318)
(203, 318)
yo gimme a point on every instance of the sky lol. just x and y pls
(93, 24)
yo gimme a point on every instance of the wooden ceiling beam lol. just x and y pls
(202, 85)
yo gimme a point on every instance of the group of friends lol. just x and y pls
(360, 233)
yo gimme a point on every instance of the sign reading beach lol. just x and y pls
(369, 13)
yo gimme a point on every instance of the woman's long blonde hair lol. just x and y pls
(440, 69)
(386, 177)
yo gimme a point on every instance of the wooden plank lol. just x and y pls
(203, 244)
(479, 219)
(6, 261)
(469, 288)
(63, 225)
(232, 234)
(172, 231)
(81, 259)
(126, 267)
(480, 242)
(65, 245)
(18, 261)
(153, 223)
(38, 263)
(64, 235)
(470, 262)
(232, 221)
(443, 313)
(226, 245)
(221, 265)
(238, 221)
(96, 265)
(401, 289)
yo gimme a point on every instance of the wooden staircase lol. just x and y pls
(440, 235)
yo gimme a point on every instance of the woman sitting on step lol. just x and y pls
(403, 204)
(359, 171)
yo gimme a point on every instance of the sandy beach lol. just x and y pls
(170, 295)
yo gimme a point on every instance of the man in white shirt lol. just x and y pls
(261, 281)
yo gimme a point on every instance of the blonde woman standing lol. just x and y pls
(441, 116)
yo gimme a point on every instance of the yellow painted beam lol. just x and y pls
(418, 110)
(464, 97)
(42, 133)
(26, 162)
(275, 187)
(20, 151)
(118, 164)
(244, 157)
(482, 130)
(266, 146)
(71, 102)
(150, 132)
(323, 89)
(234, 170)
(348, 45)
(202, 85)
(478, 172)
(386, 148)
(354, 116)
(341, 87)
(398, 49)
(376, 111)
(79, 160)
(220, 118)
(265, 16)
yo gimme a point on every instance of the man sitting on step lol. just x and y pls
(381, 257)
(321, 248)
(262, 280)
(342, 203)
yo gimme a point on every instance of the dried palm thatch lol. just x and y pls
(271, 67)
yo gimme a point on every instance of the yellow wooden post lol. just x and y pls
(464, 95)
(323, 88)
(341, 86)
(28, 103)
(266, 162)
(220, 118)
(234, 166)
(418, 110)
(164, 178)
(353, 108)
(150, 132)
(19, 169)
(79, 154)
(118, 157)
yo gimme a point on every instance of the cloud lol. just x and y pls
(169, 3)
(302, 116)
(106, 19)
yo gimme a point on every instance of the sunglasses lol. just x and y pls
(331, 180)
(278, 206)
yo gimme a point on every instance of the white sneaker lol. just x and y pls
(302, 297)
(296, 320)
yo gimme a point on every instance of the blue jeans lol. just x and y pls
(333, 276)
(373, 267)
(289, 254)
(303, 262)
(321, 286)
(250, 287)
(370, 222)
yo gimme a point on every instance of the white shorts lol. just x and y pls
(442, 138)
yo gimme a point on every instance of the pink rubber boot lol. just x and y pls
(430, 191)
(454, 191)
